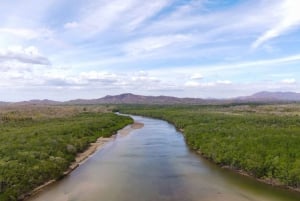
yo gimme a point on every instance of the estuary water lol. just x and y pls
(154, 164)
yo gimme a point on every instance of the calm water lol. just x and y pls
(153, 164)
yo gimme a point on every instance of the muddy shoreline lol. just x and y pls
(82, 157)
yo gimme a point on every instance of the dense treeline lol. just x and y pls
(261, 140)
(33, 151)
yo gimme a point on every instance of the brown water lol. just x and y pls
(153, 164)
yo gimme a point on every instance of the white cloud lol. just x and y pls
(143, 46)
(196, 76)
(143, 11)
(289, 81)
(207, 84)
(27, 34)
(127, 15)
(104, 77)
(289, 17)
(214, 68)
(150, 44)
(142, 73)
(191, 84)
(224, 82)
(104, 14)
(220, 83)
(142, 78)
(71, 25)
(29, 55)
(97, 79)
(252, 18)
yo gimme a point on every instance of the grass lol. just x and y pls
(261, 140)
(38, 143)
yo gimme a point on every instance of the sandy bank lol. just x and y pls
(82, 157)
(125, 131)
(101, 141)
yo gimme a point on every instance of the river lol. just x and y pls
(154, 164)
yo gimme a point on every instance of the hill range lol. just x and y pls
(128, 98)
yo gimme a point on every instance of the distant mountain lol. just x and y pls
(3, 103)
(266, 96)
(39, 102)
(129, 98)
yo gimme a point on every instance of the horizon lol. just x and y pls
(206, 98)
(65, 50)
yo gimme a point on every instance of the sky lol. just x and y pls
(68, 49)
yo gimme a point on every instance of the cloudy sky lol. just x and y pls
(66, 49)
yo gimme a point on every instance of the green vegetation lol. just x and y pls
(40, 143)
(263, 140)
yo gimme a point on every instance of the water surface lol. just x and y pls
(152, 164)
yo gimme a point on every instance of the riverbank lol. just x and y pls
(232, 141)
(82, 157)
(79, 160)
(269, 181)
(174, 173)
(37, 147)
(125, 131)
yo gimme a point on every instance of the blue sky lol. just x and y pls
(66, 49)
